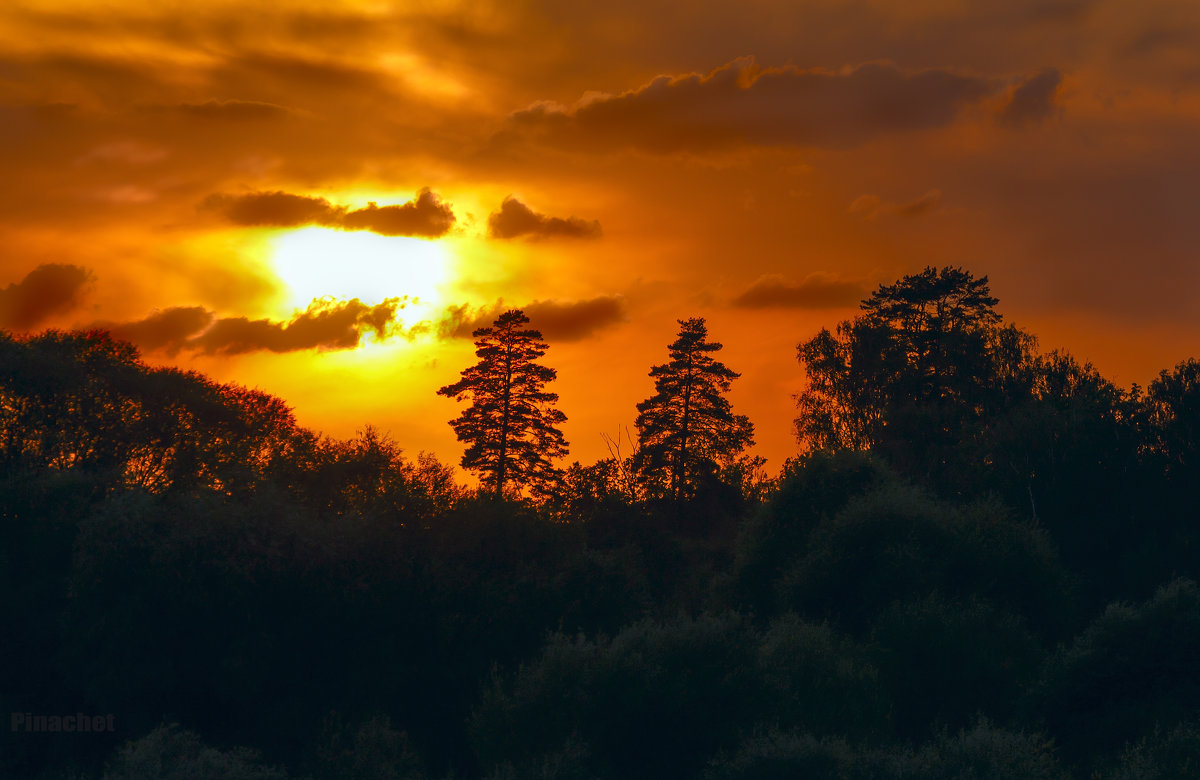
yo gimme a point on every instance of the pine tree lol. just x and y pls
(510, 426)
(687, 430)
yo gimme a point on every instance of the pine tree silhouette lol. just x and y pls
(687, 429)
(510, 426)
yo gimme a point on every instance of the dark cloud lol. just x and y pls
(324, 325)
(426, 215)
(921, 206)
(168, 329)
(575, 320)
(516, 219)
(872, 206)
(816, 291)
(49, 289)
(743, 103)
(275, 209)
(557, 320)
(1033, 101)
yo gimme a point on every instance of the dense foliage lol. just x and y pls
(1011, 596)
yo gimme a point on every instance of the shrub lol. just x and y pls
(813, 487)
(169, 753)
(945, 660)
(655, 701)
(820, 682)
(1132, 668)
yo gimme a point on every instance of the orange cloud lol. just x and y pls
(516, 219)
(325, 325)
(872, 206)
(743, 103)
(1033, 100)
(815, 291)
(49, 289)
(557, 320)
(275, 209)
(168, 329)
(426, 215)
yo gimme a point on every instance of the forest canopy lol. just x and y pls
(980, 562)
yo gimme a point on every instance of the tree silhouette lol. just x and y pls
(510, 425)
(925, 359)
(687, 430)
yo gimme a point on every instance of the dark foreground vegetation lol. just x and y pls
(984, 567)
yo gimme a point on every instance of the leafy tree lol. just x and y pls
(925, 359)
(1172, 408)
(511, 423)
(687, 429)
(1169, 416)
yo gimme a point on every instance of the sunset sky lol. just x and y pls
(322, 199)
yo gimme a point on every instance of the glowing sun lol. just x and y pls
(317, 262)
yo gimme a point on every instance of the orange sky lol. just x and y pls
(194, 174)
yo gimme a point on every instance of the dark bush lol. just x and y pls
(946, 660)
(820, 682)
(898, 544)
(812, 488)
(1134, 667)
(169, 753)
(655, 701)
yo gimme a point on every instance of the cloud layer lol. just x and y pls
(516, 219)
(324, 325)
(426, 215)
(47, 290)
(1033, 101)
(872, 206)
(557, 320)
(815, 291)
(743, 103)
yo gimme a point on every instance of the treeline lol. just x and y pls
(982, 565)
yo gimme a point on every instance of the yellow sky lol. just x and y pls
(194, 174)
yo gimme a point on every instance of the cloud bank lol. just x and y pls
(515, 219)
(1033, 101)
(815, 291)
(557, 320)
(426, 216)
(742, 103)
(324, 325)
(871, 206)
(49, 289)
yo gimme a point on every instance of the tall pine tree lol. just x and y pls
(687, 430)
(510, 427)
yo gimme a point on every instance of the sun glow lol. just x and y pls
(319, 262)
